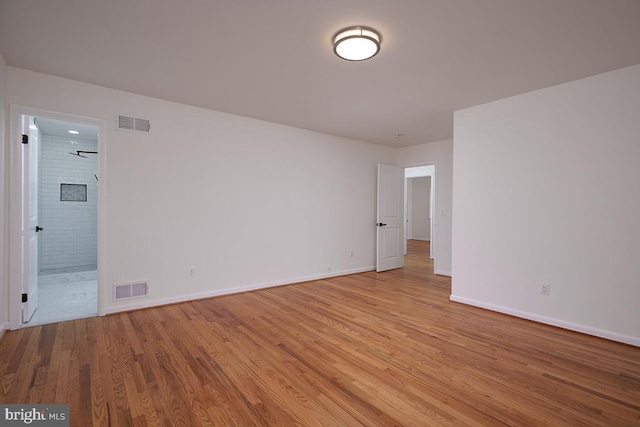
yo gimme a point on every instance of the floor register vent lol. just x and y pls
(132, 290)
(133, 124)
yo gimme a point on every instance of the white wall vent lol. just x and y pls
(132, 124)
(131, 290)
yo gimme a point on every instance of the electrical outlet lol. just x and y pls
(351, 253)
(545, 288)
(328, 269)
(191, 272)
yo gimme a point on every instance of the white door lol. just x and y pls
(390, 218)
(30, 226)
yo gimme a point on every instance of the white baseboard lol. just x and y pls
(585, 329)
(228, 291)
(442, 272)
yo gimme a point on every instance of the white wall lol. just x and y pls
(547, 188)
(4, 177)
(246, 202)
(418, 171)
(69, 239)
(441, 155)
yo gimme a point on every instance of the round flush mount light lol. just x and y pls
(356, 43)
(73, 132)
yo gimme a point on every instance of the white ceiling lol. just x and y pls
(273, 59)
(62, 128)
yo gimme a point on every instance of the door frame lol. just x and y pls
(16, 208)
(433, 206)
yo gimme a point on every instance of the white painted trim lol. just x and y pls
(228, 291)
(435, 217)
(15, 203)
(442, 272)
(15, 217)
(589, 330)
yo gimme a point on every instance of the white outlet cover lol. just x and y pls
(545, 288)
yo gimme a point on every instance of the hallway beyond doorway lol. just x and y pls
(418, 255)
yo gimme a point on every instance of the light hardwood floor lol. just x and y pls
(368, 349)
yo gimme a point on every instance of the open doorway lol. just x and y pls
(420, 208)
(67, 210)
(54, 191)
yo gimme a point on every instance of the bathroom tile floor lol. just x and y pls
(66, 296)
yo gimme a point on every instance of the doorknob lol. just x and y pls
(380, 224)
(38, 228)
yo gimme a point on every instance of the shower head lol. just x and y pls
(77, 153)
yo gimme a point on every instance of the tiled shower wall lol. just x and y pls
(69, 239)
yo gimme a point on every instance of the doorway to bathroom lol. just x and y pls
(60, 195)
(56, 228)
(67, 215)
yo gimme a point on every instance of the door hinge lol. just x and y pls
(25, 297)
(25, 139)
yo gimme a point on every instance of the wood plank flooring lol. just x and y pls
(372, 349)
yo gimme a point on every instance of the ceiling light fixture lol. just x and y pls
(73, 132)
(356, 43)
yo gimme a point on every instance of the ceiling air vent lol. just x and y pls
(132, 290)
(133, 124)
